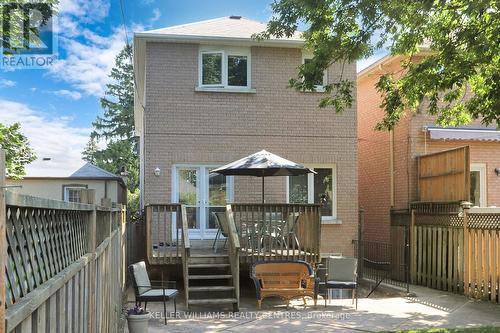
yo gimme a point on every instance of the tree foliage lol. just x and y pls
(459, 76)
(18, 152)
(116, 126)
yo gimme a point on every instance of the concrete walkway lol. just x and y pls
(430, 309)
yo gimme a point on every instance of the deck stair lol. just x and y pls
(210, 281)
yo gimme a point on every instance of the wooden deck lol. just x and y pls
(264, 232)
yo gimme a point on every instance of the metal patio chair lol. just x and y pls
(341, 274)
(146, 292)
(221, 221)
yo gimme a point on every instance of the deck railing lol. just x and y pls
(278, 231)
(166, 237)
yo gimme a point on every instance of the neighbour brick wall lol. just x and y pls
(185, 126)
(480, 152)
(409, 142)
(374, 177)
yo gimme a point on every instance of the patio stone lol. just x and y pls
(430, 308)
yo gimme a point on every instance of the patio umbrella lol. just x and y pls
(262, 164)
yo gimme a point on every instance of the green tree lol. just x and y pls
(116, 126)
(462, 38)
(18, 153)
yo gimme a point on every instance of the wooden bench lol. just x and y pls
(284, 279)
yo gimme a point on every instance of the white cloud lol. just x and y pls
(88, 64)
(50, 137)
(85, 10)
(156, 15)
(71, 94)
(7, 83)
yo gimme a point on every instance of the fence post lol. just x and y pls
(466, 251)
(91, 247)
(413, 247)
(3, 240)
(360, 242)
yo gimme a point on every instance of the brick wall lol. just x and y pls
(185, 126)
(409, 142)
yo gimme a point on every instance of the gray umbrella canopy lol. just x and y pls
(262, 164)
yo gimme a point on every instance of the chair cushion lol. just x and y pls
(141, 277)
(340, 284)
(159, 293)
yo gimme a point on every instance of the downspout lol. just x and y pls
(391, 166)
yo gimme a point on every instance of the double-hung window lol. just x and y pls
(224, 68)
(319, 188)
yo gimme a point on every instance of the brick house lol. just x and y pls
(382, 154)
(208, 94)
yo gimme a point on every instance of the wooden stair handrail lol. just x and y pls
(185, 228)
(232, 232)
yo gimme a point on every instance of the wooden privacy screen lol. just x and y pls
(444, 176)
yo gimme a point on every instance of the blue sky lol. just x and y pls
(56, 106)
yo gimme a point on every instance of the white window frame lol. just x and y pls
(201, 69)
(481, 168)
(310, 191)
(67, 188)
(202, 197)
(318, 88)
(226, 52)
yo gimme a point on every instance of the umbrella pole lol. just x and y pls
(263, 189)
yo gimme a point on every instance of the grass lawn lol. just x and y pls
(453, 330)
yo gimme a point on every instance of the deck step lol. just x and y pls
(208, 259)
(210, 277)
(208, 265)
(212, 288)
(212, 301)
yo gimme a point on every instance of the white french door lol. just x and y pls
(203, 194)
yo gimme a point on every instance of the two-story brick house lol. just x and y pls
(207, 93)
(388, 160)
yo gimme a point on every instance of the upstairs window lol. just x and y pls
(227, 68)
(212, 68)
(320, 80)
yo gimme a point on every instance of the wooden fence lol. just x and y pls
(457, 251)
(65, 265)
(444, 176)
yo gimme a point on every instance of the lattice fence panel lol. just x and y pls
(41, 243)
(484, 220)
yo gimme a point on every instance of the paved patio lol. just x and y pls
(430, 308)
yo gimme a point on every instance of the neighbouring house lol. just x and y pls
(388, 176)
(89, 177)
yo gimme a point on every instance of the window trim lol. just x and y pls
(318, 88)
(201, 69)
(226, 52)
(72, 187)
(333, 219)
(481, 168)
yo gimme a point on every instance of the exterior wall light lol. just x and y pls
(157, 172)
(497, 171)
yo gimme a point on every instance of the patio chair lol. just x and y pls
(342, 274)
(222, 227)
(147, 292)
(286, 231)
